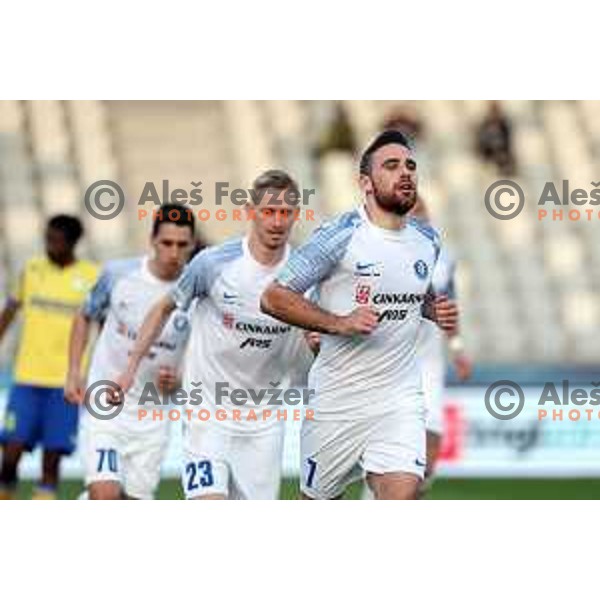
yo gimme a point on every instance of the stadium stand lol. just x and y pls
(530, 288)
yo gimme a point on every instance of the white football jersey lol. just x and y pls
(233, 344)
(120, 300)
(352, 262)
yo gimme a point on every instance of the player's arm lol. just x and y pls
(446, 314)
(440, 304)
(12, 306)
(458, 355)
(293, 308)
(193, 283)
(444, 311)
(150, 331)
(310, 264)
(93, 310)
(461, 360)
(8, 314)
(78, 341)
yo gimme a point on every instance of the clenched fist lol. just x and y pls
(445, 313)
(362, 320)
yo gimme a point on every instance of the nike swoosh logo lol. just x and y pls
(361, 266)
(227, 296)
(420, 463)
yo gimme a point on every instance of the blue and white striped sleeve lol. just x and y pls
(193, 282)
(97, 302)
(442, 279)
(200, 274)
(314, 261)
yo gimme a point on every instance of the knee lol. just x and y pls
(394, 488)
(104, 492)
(404, 492)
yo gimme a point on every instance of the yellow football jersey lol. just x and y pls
(49, 297)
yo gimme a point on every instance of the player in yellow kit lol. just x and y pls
(49, 292)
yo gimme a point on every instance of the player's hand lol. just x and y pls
(313, 339)
(123, 382)
(362, 320)
(445, 312)
(463, 366)
(168, 379)
(74, 389)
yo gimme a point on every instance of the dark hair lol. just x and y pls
(275, 179)
(389, 136)
(173, 213)
(70, 226)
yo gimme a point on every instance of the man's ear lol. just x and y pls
(366, 185)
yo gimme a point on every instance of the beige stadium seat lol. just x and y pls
(292, 142)
(287, 118)
(250, 142)
(564, 256)
(23, 230)
(531, 146)
(48, 130)
(206, 141)
(436, 198)
(18, 190)
(464, 278)
(92, 141)
(107, 238)
(520, 112)
(515, 235)
(590, 111)
(62, 195)
(580, 311)
(459, 175)
(442, 117)
(364, 118)
(474, 111)
(339, 189)
(11, 116)
(565, 136)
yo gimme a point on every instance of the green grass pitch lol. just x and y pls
(442, 489)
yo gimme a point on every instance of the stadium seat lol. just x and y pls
(48, 131)
(11, 117)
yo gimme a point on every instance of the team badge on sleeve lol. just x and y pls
(180, 323)
(421, 269)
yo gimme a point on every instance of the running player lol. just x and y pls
(372, 268)
(431, 353)
(49, 291)
(123, 455)
(234, 346)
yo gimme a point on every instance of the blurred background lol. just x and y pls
(529, 289)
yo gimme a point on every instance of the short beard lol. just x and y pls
(390, 204)
(274, 245)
